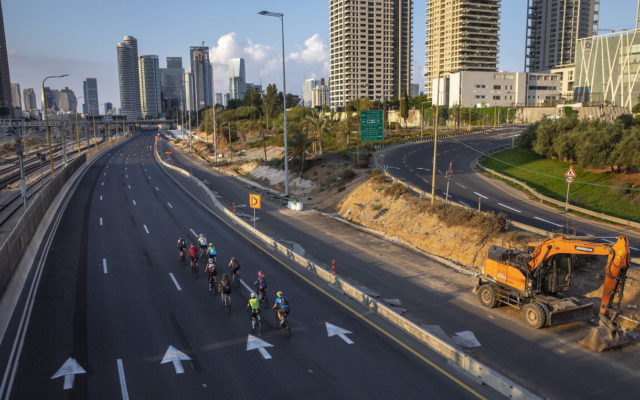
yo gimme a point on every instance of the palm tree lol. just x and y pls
(319, 125)
(298, 144)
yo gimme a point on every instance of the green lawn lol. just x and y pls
(547, 177)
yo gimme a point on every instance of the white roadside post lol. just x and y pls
(449, 176)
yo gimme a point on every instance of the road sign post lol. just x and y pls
(569, 176)
(254, 202)
(371, 125)
(449, 176)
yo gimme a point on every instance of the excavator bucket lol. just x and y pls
(606, 336)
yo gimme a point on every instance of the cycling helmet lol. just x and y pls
(260, 274)
(279, 294)
(210, 244)
(201, 235)
(253, 295)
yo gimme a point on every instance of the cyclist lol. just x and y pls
(234, 266)
(212, 271)
(281, 307)
(260, 285)
(182, 247)
(225, 287)
(253, 306)
(193, 252)
(202, 241)
(211, 250)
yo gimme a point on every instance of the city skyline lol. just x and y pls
(250, 37)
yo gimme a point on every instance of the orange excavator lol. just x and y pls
(537, 281)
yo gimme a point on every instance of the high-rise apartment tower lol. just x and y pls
(5, 80)
(460, 36)
(553, 29)
(149, 67)
(90, 93)
(29, 99)
(370, 49)
(237, 79)
(16, 99)
(129, 77)
(201, 73)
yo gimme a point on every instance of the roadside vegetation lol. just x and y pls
(605, 156)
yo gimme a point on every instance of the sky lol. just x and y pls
(78, 37)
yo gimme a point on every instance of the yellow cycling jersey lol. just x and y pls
(254, 303)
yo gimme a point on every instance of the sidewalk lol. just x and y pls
(549, 361)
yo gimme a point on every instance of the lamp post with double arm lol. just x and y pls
(46, 120)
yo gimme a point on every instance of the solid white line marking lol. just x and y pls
(548, 222)
(462, 186)
(607, 240)
(633, 248)
(510, 208)
(134, 202)
(246, 286)
(194, 232)
(100, 221)
(481, 195)
(175, 282)
(123, 381)
(169, 204)
(129, 186)
(104, 265)
(145, 228)
(463, 203)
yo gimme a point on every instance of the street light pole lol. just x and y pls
(422, 120)
(46, 121)
(77, 131)
(284, 101)
(435, 143)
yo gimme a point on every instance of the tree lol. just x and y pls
(404, 106)
(270, 103)
(319, 125)
(232, 104)
(298, 145)
(253, 99)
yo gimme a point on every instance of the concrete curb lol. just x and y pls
(477, 370)
(16, 285)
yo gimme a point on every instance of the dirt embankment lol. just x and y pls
(458, 234)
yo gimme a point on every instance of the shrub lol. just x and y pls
(395, 190)
(275, 162)
(348, 175)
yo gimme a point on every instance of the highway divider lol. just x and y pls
(480, 372)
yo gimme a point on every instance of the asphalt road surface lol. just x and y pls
(413, 163)
(113, 302)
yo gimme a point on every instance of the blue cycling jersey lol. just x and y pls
(212, 251)
(282, 304)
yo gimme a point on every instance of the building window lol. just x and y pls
(496, 97)
(497, 87)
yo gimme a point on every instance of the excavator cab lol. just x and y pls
(554, 278)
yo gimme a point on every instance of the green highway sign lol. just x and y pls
(371, 125)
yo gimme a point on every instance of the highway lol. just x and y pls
(413, 162)
(127, 320)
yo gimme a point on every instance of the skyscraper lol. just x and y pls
(237, 79)
(5, 80)
(67, 101)
(307, 90)
(149, 67)
(171, 79)
(129, 77)
(189, 102)
(553, 29)
(90, 90)
(201, 76)
(460, 36)
(370, 51)
(51, 97)
(29, 99)
(107, 108)
(16, 99)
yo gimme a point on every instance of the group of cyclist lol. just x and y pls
(256, 299)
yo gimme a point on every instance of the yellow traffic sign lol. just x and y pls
(254, 200)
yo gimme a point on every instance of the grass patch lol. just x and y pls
(547, 177)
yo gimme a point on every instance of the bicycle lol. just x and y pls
(235, 278)
(181, 252)
(226, 301)
(262, 294)
(283, 322)
(256, 322)
(212, 284)
(194, 267)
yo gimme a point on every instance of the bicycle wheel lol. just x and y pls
(227, 304)
(287, 327)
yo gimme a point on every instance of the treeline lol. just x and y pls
(593, 144)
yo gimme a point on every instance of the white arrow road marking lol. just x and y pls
(481, 195)
(194, 232)
(254, 343)
(145, 228)
(334, 330)
(169, 204)
(104, 265)
(69, 370)
(510, 208)
(175, 282)
(548, 222)
(100, 221)
(134, 202)
(462, 186)
(463, 203)
(123, 380)
(176, 357)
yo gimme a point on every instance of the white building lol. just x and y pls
(150, 100)
(501, 89)
(320, 96)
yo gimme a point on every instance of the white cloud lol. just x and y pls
(314, 52)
